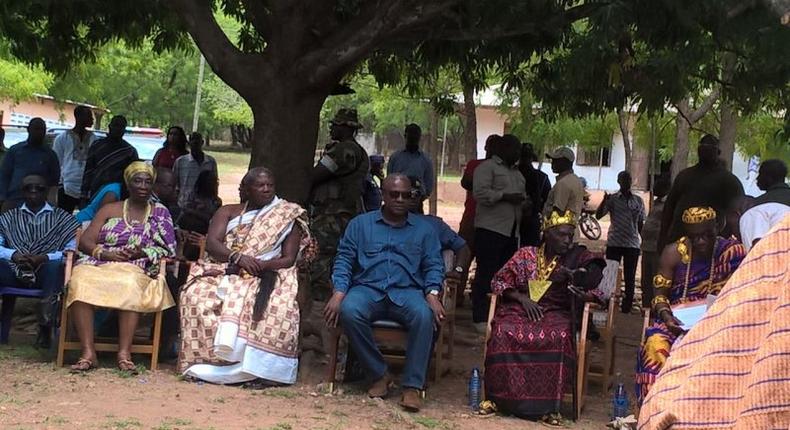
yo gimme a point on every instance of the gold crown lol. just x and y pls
(697, 215)
(556, 219)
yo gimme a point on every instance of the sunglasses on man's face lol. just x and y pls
(34, 188)
(405, 195)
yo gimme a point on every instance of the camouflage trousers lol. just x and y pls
(327, 229)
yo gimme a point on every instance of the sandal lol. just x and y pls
(82, 365)
(553, 421)
(125, 365)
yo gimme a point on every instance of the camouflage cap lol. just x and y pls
(347, 117)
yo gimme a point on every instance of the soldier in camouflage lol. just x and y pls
(336, 197)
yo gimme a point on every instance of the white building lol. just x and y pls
(599, 175)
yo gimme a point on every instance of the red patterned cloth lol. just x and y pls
(529, 364)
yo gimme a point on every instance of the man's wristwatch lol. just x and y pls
(459, 269)
(434, 293)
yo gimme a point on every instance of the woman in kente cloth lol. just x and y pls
(239, 315)
(123, 247)
(531, 358)
(690, 269)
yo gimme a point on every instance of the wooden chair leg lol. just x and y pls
(332, 366)
(438, 356)
(155, 341)
(64, 329)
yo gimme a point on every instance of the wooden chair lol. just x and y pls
(611, 285)
(645, 323)
(389, 333)
(105, 344)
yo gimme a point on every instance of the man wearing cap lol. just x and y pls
(413, 162)
(568, 193)
(706, 184)
(500, 192)
(337, 183)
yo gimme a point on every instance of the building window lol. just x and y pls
(594, 156)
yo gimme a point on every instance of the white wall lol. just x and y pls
(489, 122)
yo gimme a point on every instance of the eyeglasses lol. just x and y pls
(405, 195)
(34, 188)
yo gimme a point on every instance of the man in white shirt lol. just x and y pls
(769, 208)
(188, 167)
(32, 240)
(71, 147)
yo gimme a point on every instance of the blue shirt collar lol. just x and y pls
(380, 218)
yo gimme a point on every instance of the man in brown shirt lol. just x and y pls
(568, 193)
(500, 192)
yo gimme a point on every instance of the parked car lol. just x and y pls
(145, 140)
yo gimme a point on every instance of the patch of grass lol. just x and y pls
(282, 393)
(125, 374)
(57, 420)
(172, 424)
(230, 162)
(220, 400)
(339, 414)
(20, 352)
(10, 400)
(279, 426)
(430, 423)
(123, 424)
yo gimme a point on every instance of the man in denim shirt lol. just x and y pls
(389, 266)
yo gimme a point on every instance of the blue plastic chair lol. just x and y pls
(9, 295)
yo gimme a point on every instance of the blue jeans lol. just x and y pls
(49, 278)
(362, 306)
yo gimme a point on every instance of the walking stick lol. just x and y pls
(574, 394)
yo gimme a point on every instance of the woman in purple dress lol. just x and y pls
(122, 250)
(530, 356)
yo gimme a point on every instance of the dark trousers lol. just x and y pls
(492, 250)
(49, 278)
(629, 258)
(66, 202)
(649, 269)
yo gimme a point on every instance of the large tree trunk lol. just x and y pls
(284, 136)
(469, 115)
(727, 132)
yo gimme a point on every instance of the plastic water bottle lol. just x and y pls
(474, 390)
(620, 401)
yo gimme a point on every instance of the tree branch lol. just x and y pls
(464, 34)
(373, 24)
(706, 105)
(228, 62)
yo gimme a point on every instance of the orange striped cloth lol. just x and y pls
(732, 370)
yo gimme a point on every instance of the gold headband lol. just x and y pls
(697, 215)
(555, 219)
(138, 167)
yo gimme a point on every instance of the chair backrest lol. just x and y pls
(449, 258)
(609, 284)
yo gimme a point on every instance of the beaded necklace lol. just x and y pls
(129, 223)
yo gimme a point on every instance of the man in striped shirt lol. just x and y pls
(32, 240)
(627, 213)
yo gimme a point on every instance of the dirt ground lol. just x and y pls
(36, 395)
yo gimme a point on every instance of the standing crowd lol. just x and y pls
(363, 252)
